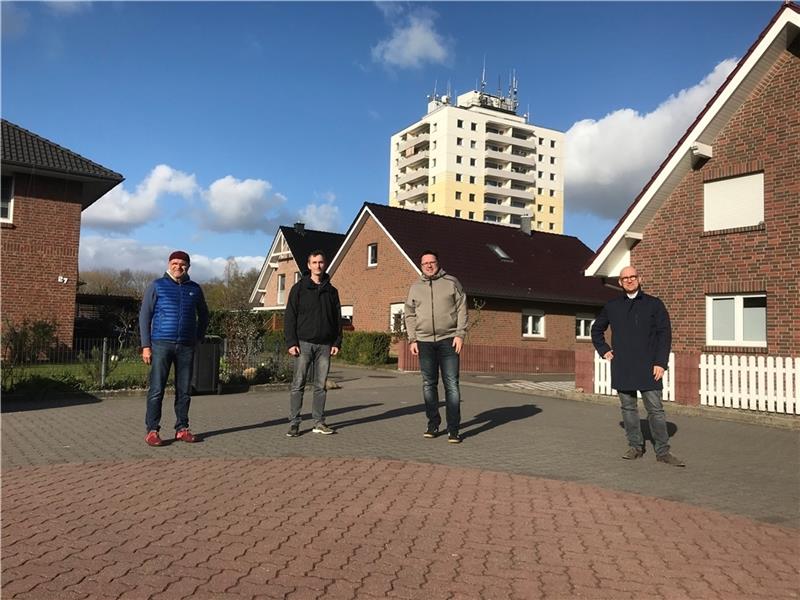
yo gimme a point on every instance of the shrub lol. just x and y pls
(365, 347)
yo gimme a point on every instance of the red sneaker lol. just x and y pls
(184, 435)
(153, 439)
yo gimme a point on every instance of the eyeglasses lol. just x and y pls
(629, 278)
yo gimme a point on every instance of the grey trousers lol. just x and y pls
(655, 417)
(318, 357)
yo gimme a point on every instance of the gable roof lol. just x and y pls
(26, 152)
(539, 266)
(301, 242)
(614, 253)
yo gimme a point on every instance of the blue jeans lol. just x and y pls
(655, 417)
(318, 357)
(433, 357)
(165, 354)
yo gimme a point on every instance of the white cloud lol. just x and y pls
(120, 210)
(323, 216)
(243, 205)
(66, 7)
(413, 41)
(608, 161)
(99, 252)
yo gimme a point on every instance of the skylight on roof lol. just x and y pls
(499, 252)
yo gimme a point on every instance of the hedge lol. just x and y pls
(365, 347)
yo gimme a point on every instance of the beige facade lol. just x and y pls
(477, 159)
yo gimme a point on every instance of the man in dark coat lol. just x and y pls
(641, 338)
(312, 326)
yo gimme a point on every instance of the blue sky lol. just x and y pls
(229, 119)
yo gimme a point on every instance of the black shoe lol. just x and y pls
(670, 459)
(294, 431)
(454, 438)
(633, 453)
(431, 432)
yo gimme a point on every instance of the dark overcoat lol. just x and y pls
(641, 336)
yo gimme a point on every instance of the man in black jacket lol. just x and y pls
(641, 336)
(313, 329)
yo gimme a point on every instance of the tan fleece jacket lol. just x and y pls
(436, 309)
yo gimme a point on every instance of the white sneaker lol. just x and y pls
(322, 428)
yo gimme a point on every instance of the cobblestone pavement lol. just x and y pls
(534, 504)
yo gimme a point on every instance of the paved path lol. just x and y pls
(534, 504)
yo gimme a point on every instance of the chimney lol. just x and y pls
(300, 228)
(525, 224)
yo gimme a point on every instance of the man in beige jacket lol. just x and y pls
(436, 323)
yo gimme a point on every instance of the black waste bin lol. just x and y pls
(205, 373)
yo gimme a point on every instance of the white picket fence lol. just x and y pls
(602, 378)
(770, 384)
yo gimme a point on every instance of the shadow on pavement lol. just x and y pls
(389, 414)
(489, 419)
(22, 403)
(282, 421)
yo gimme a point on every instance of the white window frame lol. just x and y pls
(10, 217)
(281, 296)
(738, 321)
(585, 333)
(533, 312)
(733, 202)
(347, 314)
(394, 309)
(296, 276)
(372, 260)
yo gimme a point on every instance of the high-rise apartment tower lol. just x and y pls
(478, 159)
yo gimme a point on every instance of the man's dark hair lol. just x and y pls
(317, 253)
(425, 252)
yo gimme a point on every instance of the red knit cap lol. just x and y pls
(180, 254)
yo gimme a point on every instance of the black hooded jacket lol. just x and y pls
(313, 313)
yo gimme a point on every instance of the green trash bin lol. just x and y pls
(205, 373)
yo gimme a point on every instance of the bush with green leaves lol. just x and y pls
(366, 347)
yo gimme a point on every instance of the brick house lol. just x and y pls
(287, 260)
(529, 304)
(44, 189)
(715, 233)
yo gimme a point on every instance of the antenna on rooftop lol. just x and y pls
(483, 75)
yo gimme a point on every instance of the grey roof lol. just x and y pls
(24, 151)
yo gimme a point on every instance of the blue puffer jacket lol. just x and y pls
(173, 311)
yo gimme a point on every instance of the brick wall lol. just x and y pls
(681, 264)
(288, 267)
(370, 290)
(38, 247)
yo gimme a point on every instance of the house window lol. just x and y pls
(471, 215)
(736, 320)
(541, 140)
(472, 197)
(552, 160)
(458, 195)
(552, 193)
(458, 160)
(281, 289)
(471, 162)
(583, 326)
(552, 143)
(458, 176)
(552, 176)
(458, 213)
(459, 141)
(733, 202)
(347, 316)
(472, 144)
(372, 255)
(396, 321)
(550, 226)
(473, 126)
(532, 323)
(7, 206)
(472, 178)
(460, 123)
(552, 210)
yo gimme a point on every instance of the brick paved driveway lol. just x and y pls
(534, 504)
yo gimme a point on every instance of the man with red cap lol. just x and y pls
(173, 318)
